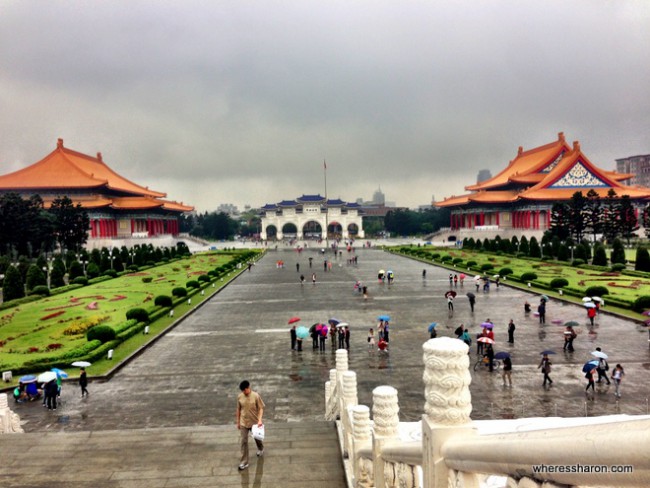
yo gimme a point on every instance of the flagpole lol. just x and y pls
(326, 208)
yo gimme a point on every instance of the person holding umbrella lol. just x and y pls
(83, 381)
(472, 300)
(617, 376)
(591, 314)
(590, 378)
(602, 367)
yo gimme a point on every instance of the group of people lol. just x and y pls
(383, 329)
(28, 391)
(338, 335)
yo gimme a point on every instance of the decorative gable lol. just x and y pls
(552, 165)
(579, 177)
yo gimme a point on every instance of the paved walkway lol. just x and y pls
(189, 377)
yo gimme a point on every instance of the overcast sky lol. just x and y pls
(241, 101)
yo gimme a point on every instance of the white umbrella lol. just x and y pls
(597, 299)
(599, 354)
(81, 364)
(590, 305)
(46, 377)
(586, 299)
(477, 277)
(342, 324)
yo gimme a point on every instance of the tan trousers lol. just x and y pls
(244, 434)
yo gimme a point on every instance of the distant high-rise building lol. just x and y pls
(639, 166)
(483, 175)
(228, 209)
(378, 198)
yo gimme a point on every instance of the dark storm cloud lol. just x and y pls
(240, 102)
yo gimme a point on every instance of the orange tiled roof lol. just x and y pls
(550, 172)
(526, 163)
(67, 169)
(90, 201)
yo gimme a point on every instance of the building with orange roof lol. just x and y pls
(521, 196)
(116, 207)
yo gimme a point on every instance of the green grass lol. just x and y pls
(620, 286)
(28, 331)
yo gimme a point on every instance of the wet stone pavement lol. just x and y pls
(190, 376)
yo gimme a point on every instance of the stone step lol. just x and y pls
(296, 455)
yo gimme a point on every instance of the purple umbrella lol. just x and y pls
(487, 325)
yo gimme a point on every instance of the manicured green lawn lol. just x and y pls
(43, 328)
(620, 286)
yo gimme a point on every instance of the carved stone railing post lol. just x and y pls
(341, 368)
(447, 408)
(361, 440)
(331, 397)
(385, 410)
(9, 421)
(349, 399)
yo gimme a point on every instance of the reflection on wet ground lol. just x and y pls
(190, 376)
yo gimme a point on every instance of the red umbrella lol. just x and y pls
(452, 293)
(293, 320)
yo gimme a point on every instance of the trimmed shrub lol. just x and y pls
(12, 286)
(163, 301)
(642, 260)
(578, 262)
(92, 271)
(505, 271)
(618, 252)
(534, 249)
(487, 266)
(596, 291)
(205, 278)
(147, 279)
(457, 260)
(41, 290)
(179, 291)
(110, 272)
(528, 276)
(192, 284)
(133, 268)
(559, 282)
(80, 280)
(139, 314)
(103, 333)
(471, 263)
(618, 267)
(435, 255)
(600, 256)
(642, 303)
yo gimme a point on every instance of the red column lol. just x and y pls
(497, 213)
(482, 218)
(149, 227)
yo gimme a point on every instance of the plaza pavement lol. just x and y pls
(189, 377)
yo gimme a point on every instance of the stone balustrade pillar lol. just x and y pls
(9, 421)
(361, 439)
(385, 415)
(349, 399)
(447, 408)
(331, 403)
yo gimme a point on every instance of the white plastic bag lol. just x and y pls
(258, 432)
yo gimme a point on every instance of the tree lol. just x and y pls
(610, 216)
(628, 222)
(76, 269)
(561, 225)
(618, 252)
(35, 277)
(593, 214)
(70, 223)
(12, 286)
(600, 255)
(580, 252)
(524, 247)
(646, 219)
(563, 253)
(535, 251)
(577, 208)
(642, 260)
(57, 275)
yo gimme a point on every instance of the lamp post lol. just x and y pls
(47, 269)
(571, 247)
(84, 263)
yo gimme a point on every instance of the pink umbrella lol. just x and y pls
(462, 276)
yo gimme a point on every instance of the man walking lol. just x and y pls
(511, 332)
(250, 408)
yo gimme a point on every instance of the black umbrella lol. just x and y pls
(470, 295)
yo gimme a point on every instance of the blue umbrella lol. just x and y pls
(302, 332)
(589, 366)
(548, 351)
(60, 373)
(385, 318)
(30, 378)
(502, 355)
(432, 326)
(334, 321)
